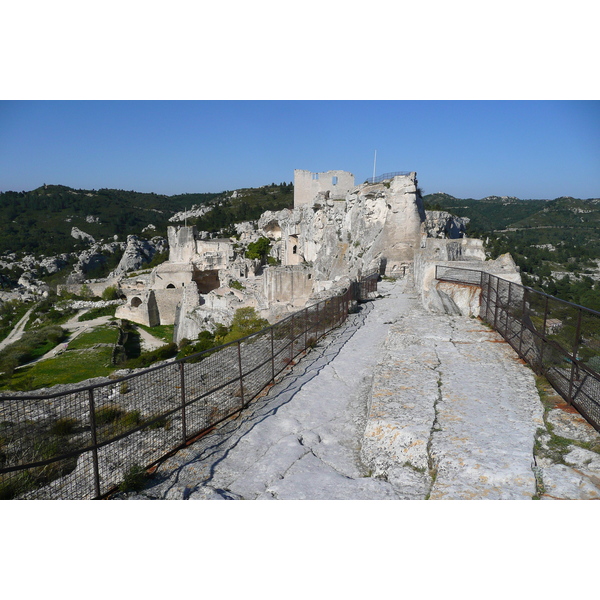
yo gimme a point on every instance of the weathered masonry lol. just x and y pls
(309, 187)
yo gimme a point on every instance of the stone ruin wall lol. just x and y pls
(193, 263)
(309, 186)
(323, 243)
(376, 227)
(465, 253)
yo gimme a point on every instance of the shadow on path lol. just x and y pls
(216, 446)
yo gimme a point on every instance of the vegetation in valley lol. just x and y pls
(40, 221)
(555, 243)
(33, 345)
(249, 205)
(86, 356)
(11, 313)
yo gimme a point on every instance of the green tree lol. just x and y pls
(259, 249)
(110, 293)
(245, 322)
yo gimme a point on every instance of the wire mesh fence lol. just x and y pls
(83, 443)
(385, 176)
(559, 339)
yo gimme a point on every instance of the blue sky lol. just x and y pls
(528, 149)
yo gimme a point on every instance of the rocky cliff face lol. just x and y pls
(452, 298)
(441, 224)
(137, 253)
(377, 227)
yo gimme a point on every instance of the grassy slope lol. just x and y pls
(87, 356)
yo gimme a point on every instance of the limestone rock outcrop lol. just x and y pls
(453, 298)
(82, 235)
(87, 260)
(138, 252)
(442, 224)
(376, 228)
(192, 213)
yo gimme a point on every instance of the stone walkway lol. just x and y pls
(17, 333)
(397, 404)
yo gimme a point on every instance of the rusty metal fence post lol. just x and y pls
(273, 354)
(239, 353)
(544, 329)
(182, 393)
(523, 310)
(292, 341)
(489, 298)
(574, 369)
(497, 303)
(305, 313)
(94, 442)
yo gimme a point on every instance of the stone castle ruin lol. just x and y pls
(336, 233)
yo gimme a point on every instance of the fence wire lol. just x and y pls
(559, 339)
(82, 443)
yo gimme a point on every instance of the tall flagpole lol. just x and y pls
(374, 163)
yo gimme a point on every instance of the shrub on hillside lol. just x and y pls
(259, 249)
(110, 293)
(145, 359)
(245, 322)
(32, 345)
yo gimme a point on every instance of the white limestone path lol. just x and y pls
(454, 413)
(17, 332)
(397, 404)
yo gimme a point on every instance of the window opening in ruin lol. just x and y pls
(171, 286)
(334, 180)
(309, 276)
(294, 249)
(135, 302)
(315, 176)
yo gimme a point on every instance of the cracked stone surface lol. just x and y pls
(302, 440)
(568, 455)
(398, 403)
(454, 413)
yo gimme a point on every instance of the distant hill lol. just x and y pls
(556, 243)
(488, 214)
(40, 221)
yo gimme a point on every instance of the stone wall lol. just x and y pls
(96, 288)
(330, 184)
(289, 285)
(186, 245)
(171, 275)
(376, 227)
(141, 308)
(466, 253)
(167, 301)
